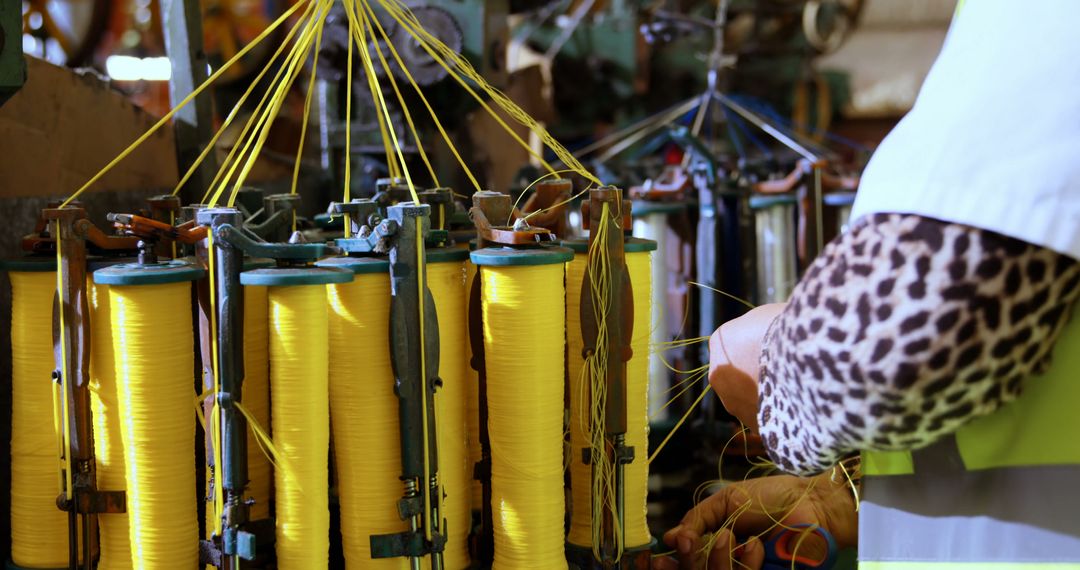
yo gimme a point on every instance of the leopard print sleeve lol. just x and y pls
(901, 331)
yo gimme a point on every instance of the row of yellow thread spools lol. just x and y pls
(318, 378)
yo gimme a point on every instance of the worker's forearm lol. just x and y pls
(904, 329)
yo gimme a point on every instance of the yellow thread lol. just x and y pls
(401, 100)
(447, 284)
(424, 419)
(215, 410)
(307, 109)
(364, 414)
(38, 528)
(420, 94)
(637, 402)
(298, 382)
(212, 144)
(168, 116)
(256, 396)
(154, 372)
(523, 344)
(65, 374)
(113, 529)
(473, 402)
(348, 133)
(358, 29)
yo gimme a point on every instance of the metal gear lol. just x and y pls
(439, 23)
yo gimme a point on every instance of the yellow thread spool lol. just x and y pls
(636, 474)
(256, 396)
(446, 280)
(152, 352)
(524, 347)
(472, 404)
(299, 408)
(113, 530)
(364, 411)
(38, 529)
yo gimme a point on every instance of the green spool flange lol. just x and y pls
(759, 202)
(358, 265)
(29, 263)
(502, 256)
(447, 254)
(174, 271)
(97, 262)
(642, 208)
(273, 276)
(632, 245)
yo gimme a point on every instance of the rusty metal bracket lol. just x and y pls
(488, 206)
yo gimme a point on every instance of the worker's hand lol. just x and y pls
(734, 353)
(755, 505)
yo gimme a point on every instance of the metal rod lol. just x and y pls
(768, 128)
(662, 118)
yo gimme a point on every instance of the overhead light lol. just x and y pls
(129, 68)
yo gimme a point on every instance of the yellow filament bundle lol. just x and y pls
(113, 528)
(256, 397)
(38, 528)
(364, 416)
(472, 405)
(637, 425)
(447, 283)
(298, 382)
(152, 355)
(524, 344)
(636, 475)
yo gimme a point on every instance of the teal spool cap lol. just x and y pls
(173, 271)
(287, 276)
(505, 256)
(358, 265)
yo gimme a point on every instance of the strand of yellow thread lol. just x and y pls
(65, 374)
(212, 144)
(602, 470)
(303, 47)
(168, 116)
(256, 396)
(153, 374)
(348, 135)
(385, 128)
(473, 402)
(447, 283)
(234, 155)
(408, 22)
(523, 344)
(115, 545)
(357, 28)
(215, 410)
(423, 98)
(397, 8)
(401, 100)
(252, 144)
(364, 415)
(252, 119)
(421, 297)
(299, 410)
(38, 528)
(307, 110)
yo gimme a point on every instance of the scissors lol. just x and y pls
(782, 550)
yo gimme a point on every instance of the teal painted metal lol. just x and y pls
(504, 256)
(358, 265)
(29, 263)
(174, 271)
(275, 276)
(447, 254)
(759, 202)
